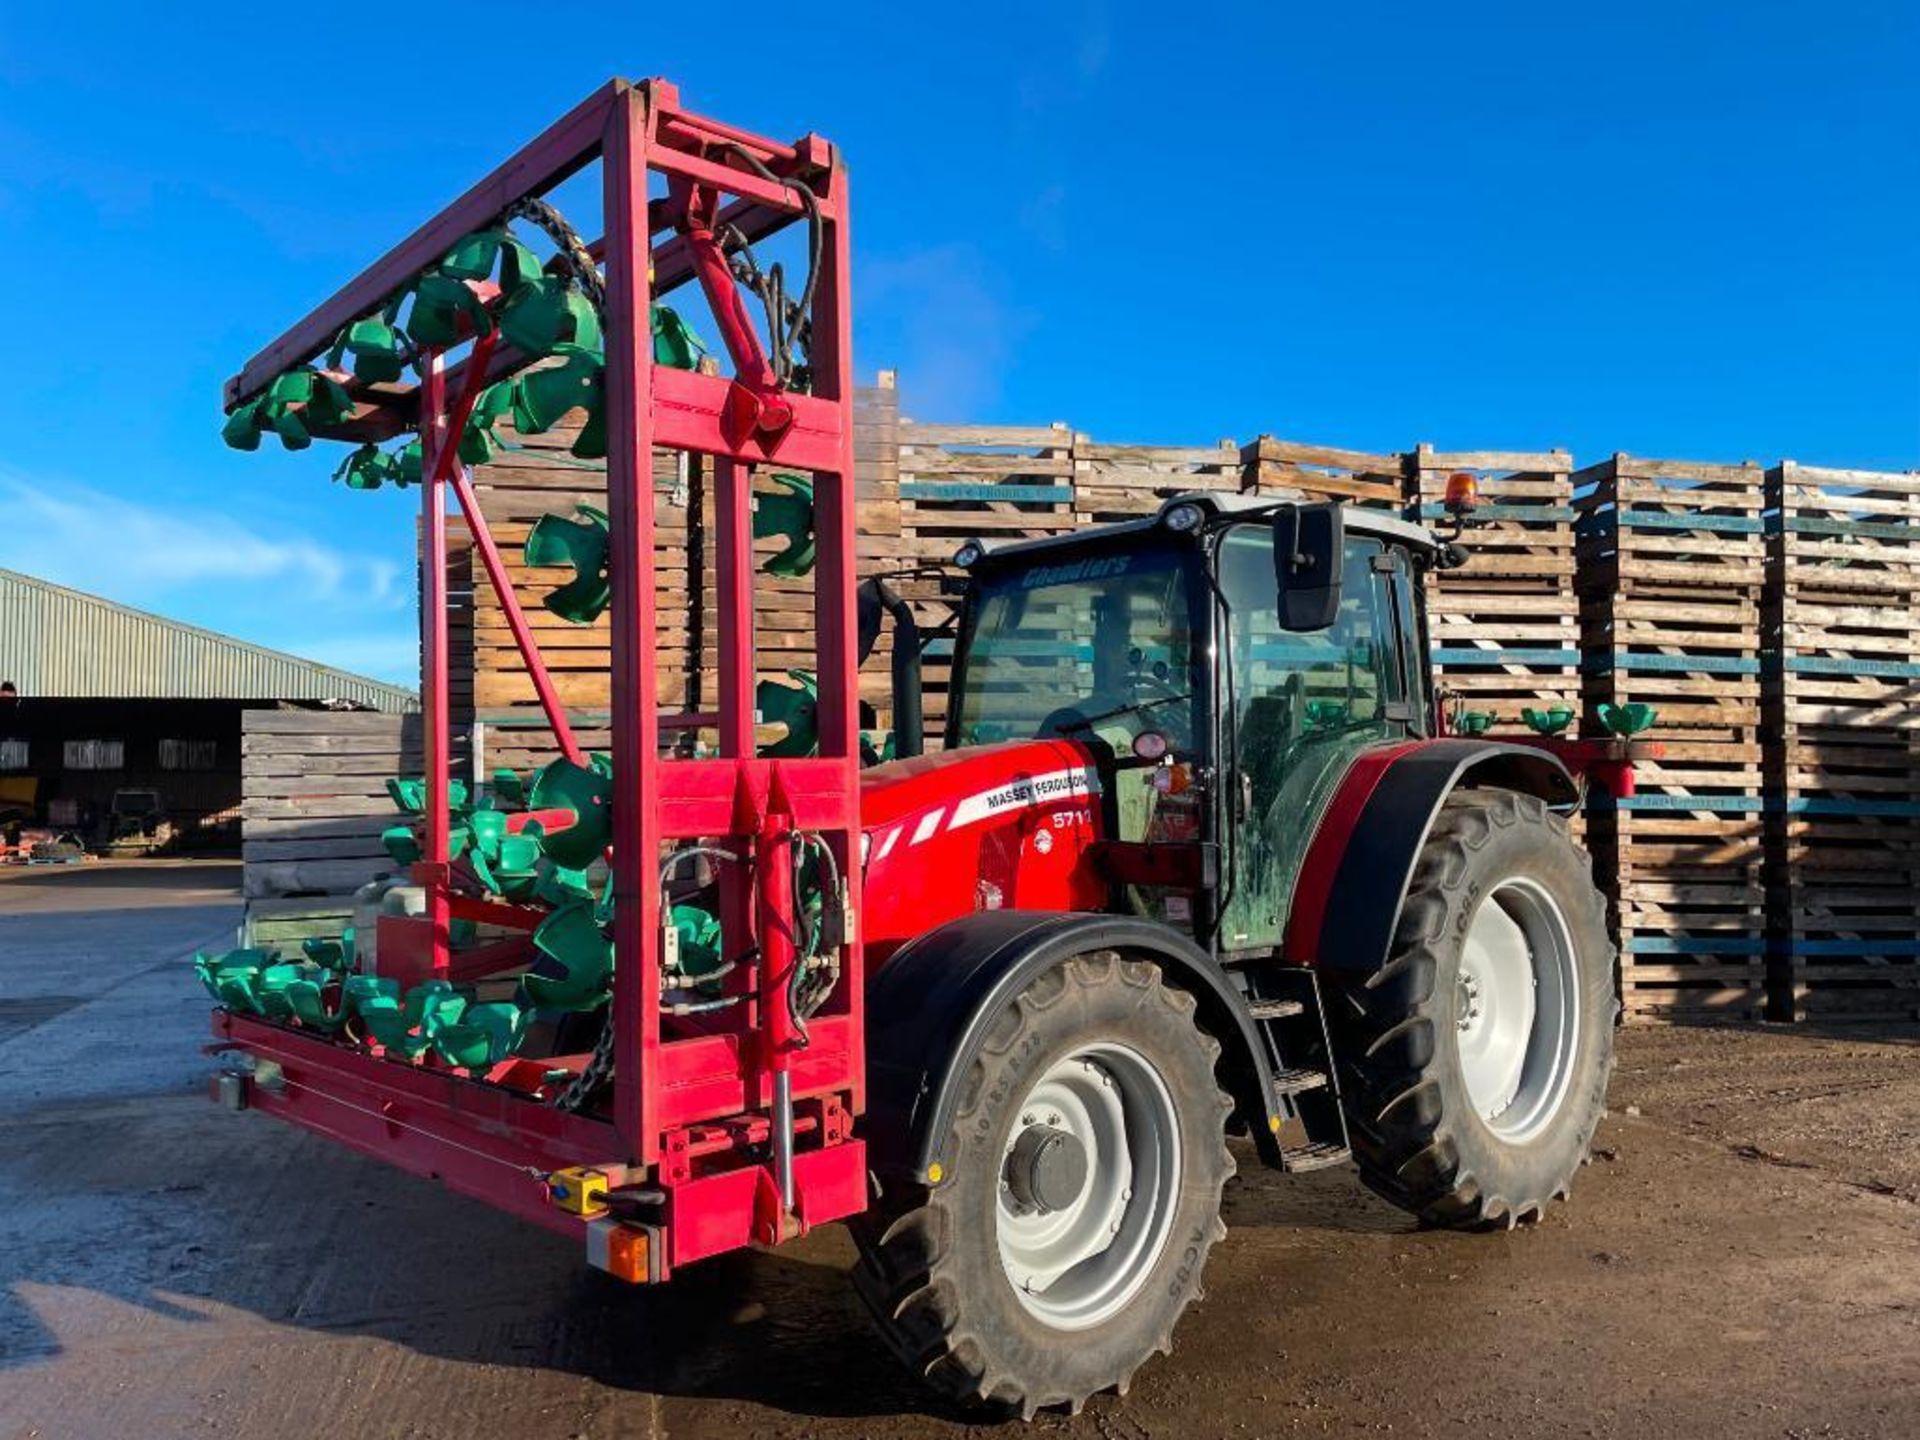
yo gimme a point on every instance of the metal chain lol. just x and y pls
(597, 1072)
(573, 250)
(789, 322)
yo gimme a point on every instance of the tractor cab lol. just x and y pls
(1223, 663)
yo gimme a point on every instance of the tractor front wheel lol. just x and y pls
(1080, 1198)
(1474, 1063)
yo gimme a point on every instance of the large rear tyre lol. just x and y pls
(1082, 1197)
(1474, 1064)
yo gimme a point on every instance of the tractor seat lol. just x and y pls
(1266, 736)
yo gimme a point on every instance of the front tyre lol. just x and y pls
(1474, 1064)
(1082, 1196)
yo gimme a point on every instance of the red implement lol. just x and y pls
(730, 1126)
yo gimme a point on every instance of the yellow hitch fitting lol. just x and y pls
(579, 1191)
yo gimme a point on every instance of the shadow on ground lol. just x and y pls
(239, 1217)
(163, 879)
(227, 1216)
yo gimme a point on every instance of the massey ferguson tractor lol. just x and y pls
(1194, 860)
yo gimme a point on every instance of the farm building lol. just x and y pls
(112, 719)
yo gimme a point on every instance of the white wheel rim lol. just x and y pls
(1075, 1264)
(1517, 1009)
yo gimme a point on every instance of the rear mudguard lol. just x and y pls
(1354, 879)
(929, 1008)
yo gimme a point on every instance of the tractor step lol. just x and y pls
(1275, 1009)
(1284, 1004)
(1297, 1082)
(1319, 1155)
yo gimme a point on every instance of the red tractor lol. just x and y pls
(1195, 859)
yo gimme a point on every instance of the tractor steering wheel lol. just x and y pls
(1065, 721)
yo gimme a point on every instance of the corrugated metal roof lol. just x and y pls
(57, 642)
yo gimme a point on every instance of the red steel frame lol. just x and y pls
(693, 1108)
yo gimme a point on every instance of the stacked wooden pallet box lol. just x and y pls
(315, 787)
(1271, 466)
(1503, 628)
(1842, 701)
(1670, 577)
(994, 481)
(540, 477)
(959, 482)
(877, 522)
(1126, 482)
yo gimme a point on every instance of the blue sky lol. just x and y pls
(1674, 229)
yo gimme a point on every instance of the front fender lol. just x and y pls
(1357, 869)
(928, 1010)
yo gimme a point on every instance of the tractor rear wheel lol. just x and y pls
(1080, 1199)
(1474, 1064)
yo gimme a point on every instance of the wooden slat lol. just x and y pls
(314, 799)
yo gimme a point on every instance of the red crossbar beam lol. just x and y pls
(411, 1100)
(692, 411)
(559, 151)
(711, 1077)
(684, 127)
(729, 178)
(730, 797)
(493, 912)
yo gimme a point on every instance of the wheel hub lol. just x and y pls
(1047, 1168)
(1088, 1185)
(1470, 1011)
(1516, 1009)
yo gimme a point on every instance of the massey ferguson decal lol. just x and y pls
(1018, 794)
(1078, 784)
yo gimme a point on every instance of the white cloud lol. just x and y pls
(91, 540)
(207, 568)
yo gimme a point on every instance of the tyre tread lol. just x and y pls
(905, 1240)
(1385, 1033)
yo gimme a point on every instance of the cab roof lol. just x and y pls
(1219, 506)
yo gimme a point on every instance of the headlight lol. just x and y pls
(968, 555)
(1184, 517)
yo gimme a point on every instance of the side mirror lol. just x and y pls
(1307, 545)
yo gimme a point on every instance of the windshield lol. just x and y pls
(1099, 641)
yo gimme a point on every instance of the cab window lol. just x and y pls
(1302, 705)
(1096, 644)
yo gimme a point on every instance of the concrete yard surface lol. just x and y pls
(1741, 1259)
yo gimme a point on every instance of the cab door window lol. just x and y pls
(1302, 705)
